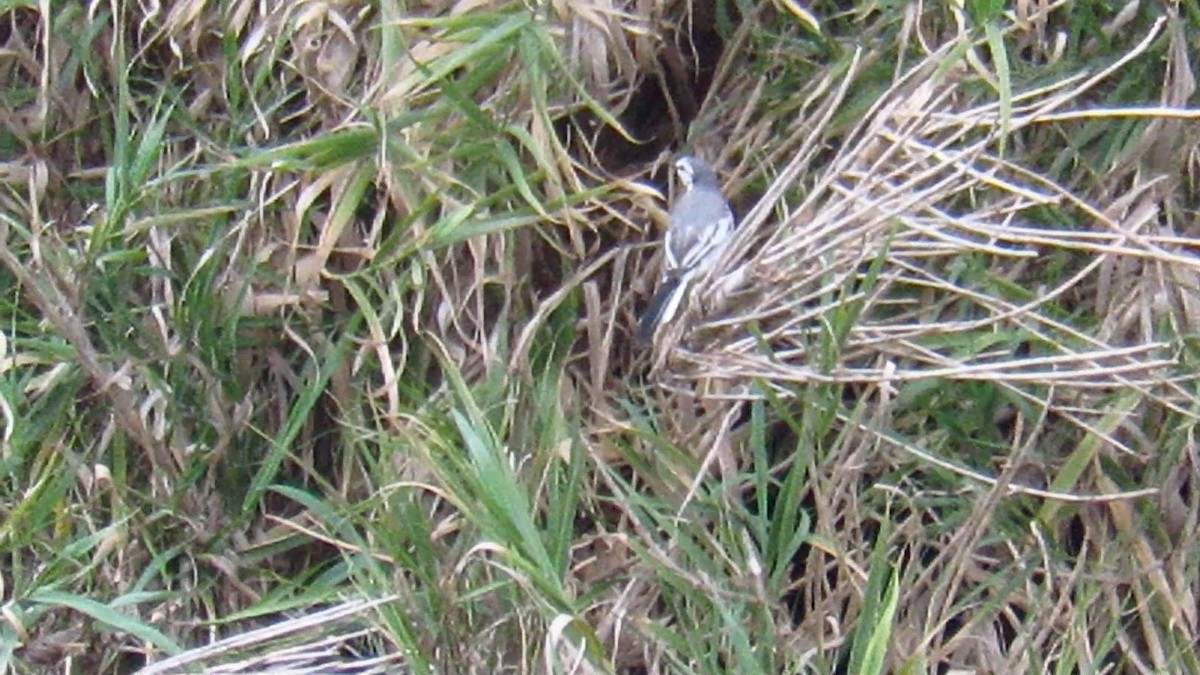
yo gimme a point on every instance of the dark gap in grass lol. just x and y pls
(1010, 629)
(1074, 535)
(327, 440)
(680, 81)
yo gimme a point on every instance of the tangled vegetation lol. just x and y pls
(316, 345)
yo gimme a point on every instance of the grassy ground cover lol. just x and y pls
(316, 338)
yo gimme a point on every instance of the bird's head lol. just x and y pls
(693, 171)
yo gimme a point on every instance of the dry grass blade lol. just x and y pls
(310, 643)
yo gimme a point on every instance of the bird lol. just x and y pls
(701, 225)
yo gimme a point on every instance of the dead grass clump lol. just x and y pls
(919, 232)
(995, 337)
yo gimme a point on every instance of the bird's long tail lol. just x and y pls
(662, 306)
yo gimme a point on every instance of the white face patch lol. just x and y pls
(684, 167)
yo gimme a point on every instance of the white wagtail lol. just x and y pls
(701, 226)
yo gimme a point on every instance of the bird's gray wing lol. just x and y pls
(700, 223)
